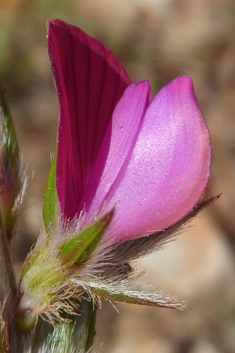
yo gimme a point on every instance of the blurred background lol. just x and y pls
(158, 40)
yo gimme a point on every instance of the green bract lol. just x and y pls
(79, 248)
(51, 198)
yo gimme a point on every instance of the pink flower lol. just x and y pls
(116, 148)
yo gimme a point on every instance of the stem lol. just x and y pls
(91, 320)
(76, 335)
(7, 274)
(8, 294)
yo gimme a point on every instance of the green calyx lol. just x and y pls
(47, 270)
(78, 249)
(42, 277)
(42, 271)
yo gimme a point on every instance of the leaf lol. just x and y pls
(79, 248)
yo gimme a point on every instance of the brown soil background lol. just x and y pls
(158, 40)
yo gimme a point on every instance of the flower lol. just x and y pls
(149, 160)
(127, 173)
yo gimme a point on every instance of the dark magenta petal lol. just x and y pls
(90, 80)
(169, 168)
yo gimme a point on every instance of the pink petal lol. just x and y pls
(90, 80)
(169, 168)
(117, 147)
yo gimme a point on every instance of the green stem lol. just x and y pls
(91, 320)
(7, 273)
(8, 292)
(76, 335)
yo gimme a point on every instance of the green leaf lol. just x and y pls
(51, 197)
(79, 248)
